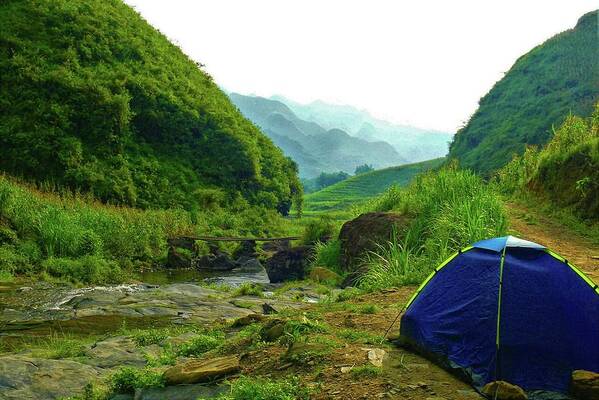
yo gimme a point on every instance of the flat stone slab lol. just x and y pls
(196, 371)
(24, 378)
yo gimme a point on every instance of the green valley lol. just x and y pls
(360, 188)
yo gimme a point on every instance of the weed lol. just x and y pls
(127, 379)
(366, 371)
(249, 289)
(356, 336)
(246, 388)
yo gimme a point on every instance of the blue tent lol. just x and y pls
(507, 309)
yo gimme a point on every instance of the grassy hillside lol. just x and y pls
(364, 186)
(565, 172)
(95, 99)
(543, 86)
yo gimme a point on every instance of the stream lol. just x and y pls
(33, 308)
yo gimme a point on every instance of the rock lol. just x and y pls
(251, 265)
(247, 248)
(272, 331)
(115, 351)
(180, 392)
(177, 260)
(24, 378)
(183, 338)
(585, 385)
(25, 289)
(248, 320)
(501, 390)
(196, 371)
(267, 309)
(345, 370)
(275, 246)
(289, 264)
(376, 356)
(365, 232)
(220, 262)
(320, 274)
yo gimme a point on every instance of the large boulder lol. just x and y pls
(211, 262)
(501, 390)
(289, 264)
(585, 385)
(24, 378)
(365, 233)
(196, 371)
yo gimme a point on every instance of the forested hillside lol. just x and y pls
(95, 99)
(313, 147)
(559, 77)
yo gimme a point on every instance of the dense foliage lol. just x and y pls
(93, 98)
(362, 169)
(448, 209)
(565, 171)
(323, 180)
(539, 91)
(73, 238)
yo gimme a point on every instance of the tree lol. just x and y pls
(362, 169)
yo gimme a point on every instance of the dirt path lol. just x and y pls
(531, 225)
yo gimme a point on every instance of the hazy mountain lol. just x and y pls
(313, 147)
(556, 78)
(413, 144)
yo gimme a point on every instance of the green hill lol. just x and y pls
(94, 99)
(559, 77)
(364, 186)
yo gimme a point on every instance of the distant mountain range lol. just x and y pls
(412, 143)
(327, 138)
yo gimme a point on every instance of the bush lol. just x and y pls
(127, 379)
(201, 344)
(249, 289)
(366, 371)
(319, 230)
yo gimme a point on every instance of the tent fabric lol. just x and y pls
(532, 327)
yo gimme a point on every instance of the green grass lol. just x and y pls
(73, 237)
(366, 371)
(246, 388)
(127, 379)
(449, 209)
(343, 195)
(357, 336)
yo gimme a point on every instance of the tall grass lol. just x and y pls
(76, 238)
(449, 209)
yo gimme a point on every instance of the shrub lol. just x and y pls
(319, 230)
(127, 379)
(201, 344)
(249, 289)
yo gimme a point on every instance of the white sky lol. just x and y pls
(422, 62)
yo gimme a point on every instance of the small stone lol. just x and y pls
(248, 320)
(501, 390)
(196, 371)
(345, 370)
(376, 357)
(267, 309)
(585, 385)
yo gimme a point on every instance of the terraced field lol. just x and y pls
(359, 188)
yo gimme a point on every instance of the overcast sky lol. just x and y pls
(422, 62)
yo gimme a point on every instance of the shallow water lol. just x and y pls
(33, 309)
